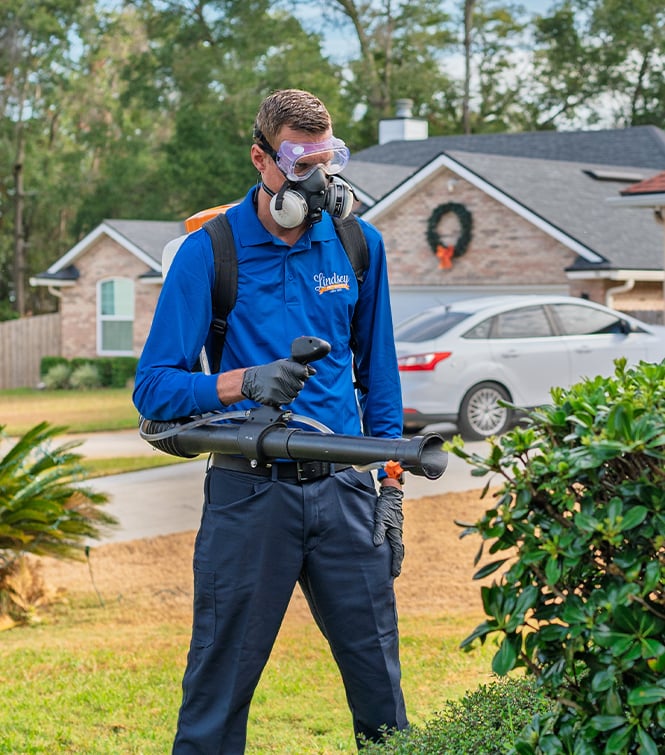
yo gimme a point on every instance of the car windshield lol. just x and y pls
(428, 325)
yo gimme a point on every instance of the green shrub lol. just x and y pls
(112, 372)
(123, 370)
(105, 366)
(84, 377)
(48, 362)
(77, 362)
(485, 721)
(57, 377)
(7, 312)
(580, 519)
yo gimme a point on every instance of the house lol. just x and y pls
(460, 215)
(540, 219)
(108, 285)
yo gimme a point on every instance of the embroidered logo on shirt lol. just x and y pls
(334, 282)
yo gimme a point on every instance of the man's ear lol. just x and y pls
(258, 157)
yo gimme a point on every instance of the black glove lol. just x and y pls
(275, 383)
(388, 520)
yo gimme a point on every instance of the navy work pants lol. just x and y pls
(258, 537)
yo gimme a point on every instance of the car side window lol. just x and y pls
(428, 325)
(525, 322)
(481, 330)
(575, 320)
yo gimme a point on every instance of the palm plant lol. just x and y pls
(45, 510)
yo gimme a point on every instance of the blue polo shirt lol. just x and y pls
(284, 292)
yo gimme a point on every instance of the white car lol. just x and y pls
(458, 361)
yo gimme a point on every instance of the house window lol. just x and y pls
(115, 316)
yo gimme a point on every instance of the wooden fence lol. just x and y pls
(23, 343)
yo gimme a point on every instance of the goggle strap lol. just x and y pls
(263, 143)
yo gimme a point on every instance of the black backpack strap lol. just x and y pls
(226, 283)
(354, 242)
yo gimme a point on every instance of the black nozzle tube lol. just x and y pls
(420, 455)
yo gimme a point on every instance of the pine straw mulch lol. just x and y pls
(153, 577)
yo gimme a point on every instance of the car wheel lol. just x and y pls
(481, 415)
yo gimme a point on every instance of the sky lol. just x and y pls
(537, 6)
(339, 44)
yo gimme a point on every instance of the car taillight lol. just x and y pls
(417, 362)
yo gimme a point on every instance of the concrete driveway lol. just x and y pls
(168, 499)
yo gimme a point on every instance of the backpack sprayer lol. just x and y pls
(267, 433)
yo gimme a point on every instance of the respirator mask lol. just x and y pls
(311, 184)
(304, 200)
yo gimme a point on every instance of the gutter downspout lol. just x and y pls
(611, 292)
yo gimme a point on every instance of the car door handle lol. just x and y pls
(583, 350)
(512, 354)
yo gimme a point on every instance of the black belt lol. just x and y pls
(300, 471)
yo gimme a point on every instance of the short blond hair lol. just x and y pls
(294, 108)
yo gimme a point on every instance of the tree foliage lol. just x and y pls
(579, 524)
(601, 59)
(144, 108)
(35, 67)
(209, 66)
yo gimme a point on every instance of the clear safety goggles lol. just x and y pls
(299, 160)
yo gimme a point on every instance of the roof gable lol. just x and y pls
(566, 200)
(474, 178)
(569, 197)
(143, 238)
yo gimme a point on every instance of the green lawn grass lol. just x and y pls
(78, 411)
(100, 410)
(122, 464)
(94, 680)
(87, 682)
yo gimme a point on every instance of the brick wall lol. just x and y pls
(504, 249)
(78, 307)
(145, 301)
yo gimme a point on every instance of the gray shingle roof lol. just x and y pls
(149, 235)
(638, 146)
(375, 179)
(567, 196)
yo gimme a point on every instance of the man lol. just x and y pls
(265, 528)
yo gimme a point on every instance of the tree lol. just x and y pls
(60, 118)
(33, 65)
(600, 59)
(44, 510)
(121, 140)
(469, 6)
(632, 45)
(400, 45)
(496, 67)
(212, 64)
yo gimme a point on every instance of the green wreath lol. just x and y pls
(446, 252)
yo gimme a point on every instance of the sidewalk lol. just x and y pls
(168, 499)
(107, 445)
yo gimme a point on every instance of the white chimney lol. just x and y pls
(403, 126)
